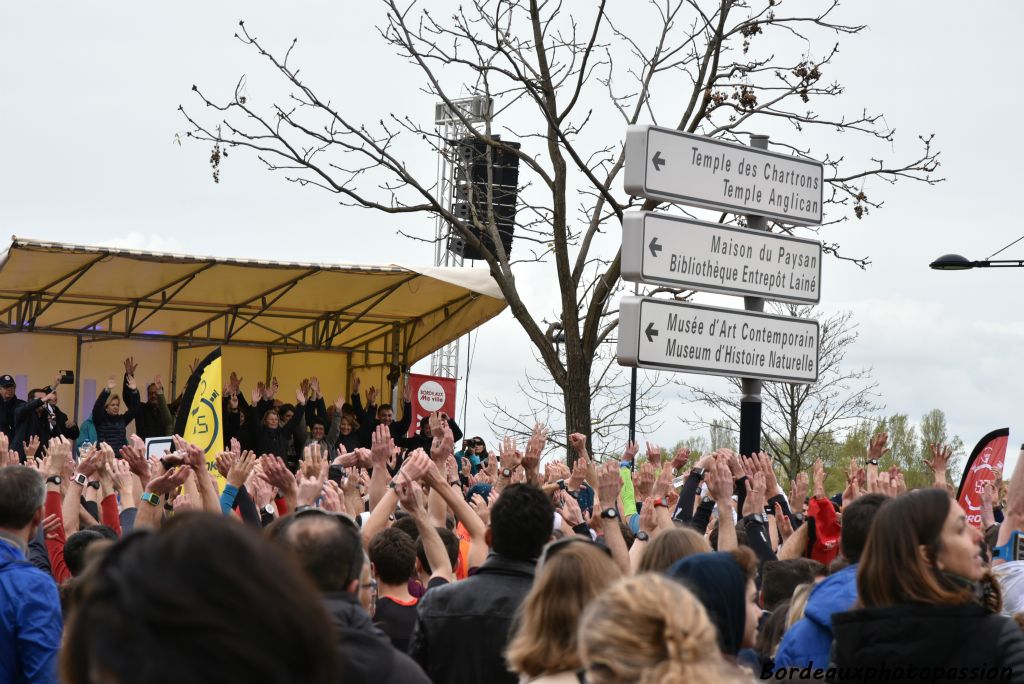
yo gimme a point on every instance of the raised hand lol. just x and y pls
(130, 383)
(58, 453)
(111, 383)
(130, 366)
(223, 462)
(123, 481)
(654, 454)
(332, 501)
(276, 473)
(630, 452)
(534, 447)
(876, 447)
(644, 481)
(782, 520)
(300, 397)
(756, 490)
(371, 396)
(410, 495)
(310, 482)
(239, 471)
(510, 458)
(680, 458)
(416, 465)
(578, 442)
(90, 462)
(609, 483)
(168, 481)
(718, 478)
(313, 461)
(31, 447)
(382, 443)
(406, 393)
(569, 508)
(818, 473)
(941, 454)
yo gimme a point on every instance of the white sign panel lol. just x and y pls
(672, 166)
(679, 252)
(680, 336)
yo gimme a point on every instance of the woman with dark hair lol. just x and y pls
(203, 600)
(928, 599)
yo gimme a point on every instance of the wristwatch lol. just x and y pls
(95, 484)
(80, 479)
(55, 479)
(660, 502)
(151, 498)
(755, 517)
(610, 513)
(270, 509)
(641, 536)
(303, 507)
(506, 472)
(873, 461)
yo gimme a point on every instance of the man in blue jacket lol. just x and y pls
(809, 641)
(30, 617)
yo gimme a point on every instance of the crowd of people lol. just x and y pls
(326, 545)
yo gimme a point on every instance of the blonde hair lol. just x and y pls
(544, 634)
(651, 630)
(798, 604)
(669, 546)
(110, 398)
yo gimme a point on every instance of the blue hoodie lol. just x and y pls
(809, 640)
(30, 620)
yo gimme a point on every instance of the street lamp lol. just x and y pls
(955, 262)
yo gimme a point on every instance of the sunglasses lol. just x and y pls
(553, 548)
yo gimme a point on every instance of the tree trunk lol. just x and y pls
(576, 392)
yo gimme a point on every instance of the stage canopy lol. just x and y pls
(295, 318)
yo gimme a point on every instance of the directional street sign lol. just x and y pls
(710, 257)
(671, 166)
(680, 336)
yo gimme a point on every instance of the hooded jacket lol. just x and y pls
(365, 654)
(721, 586)
(30, 620)
(809, 640)
(965, 641)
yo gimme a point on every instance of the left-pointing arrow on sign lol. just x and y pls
(651, 332)
(658, 160)
(655, 247)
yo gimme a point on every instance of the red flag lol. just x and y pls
(429, 393)
(984, 465)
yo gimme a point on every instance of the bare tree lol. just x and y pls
(568, 81)
(798, 421)
(609, 405)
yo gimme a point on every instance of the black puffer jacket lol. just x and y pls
(963, 641)
(365, 654)
(112, 429)
(462, 628)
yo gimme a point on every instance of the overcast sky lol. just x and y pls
(88, 113)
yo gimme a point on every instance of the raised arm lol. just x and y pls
(410, 495)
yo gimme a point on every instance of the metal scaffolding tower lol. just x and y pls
(445, 361)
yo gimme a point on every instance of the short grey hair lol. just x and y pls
(22, 493)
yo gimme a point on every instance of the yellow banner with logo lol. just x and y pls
(199, 420)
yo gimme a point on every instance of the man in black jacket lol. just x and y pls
(9, 403)
(384, 414)
(40, 417)
(463, 628)
(330, 549)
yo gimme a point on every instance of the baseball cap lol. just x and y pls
(7, 381)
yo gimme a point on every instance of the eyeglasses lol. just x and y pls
(554, 547)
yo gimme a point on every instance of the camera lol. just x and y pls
(67, 377)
